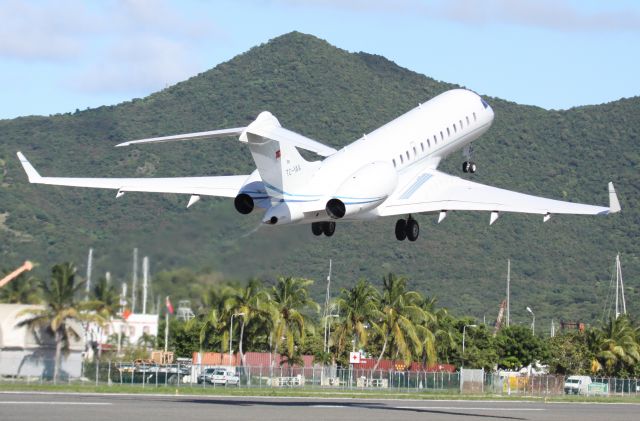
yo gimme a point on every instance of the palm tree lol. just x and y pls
(61, 310)
(249, 303)
(617, 345)
(106, 299)
(429, 330)
(401, 313)
(214, 331)
(360, 310)
(289, 299)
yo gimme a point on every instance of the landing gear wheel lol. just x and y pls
(465, 166)
(412, 229)
(472, 167)
(328, 228)
(316, 228)
(401, 229)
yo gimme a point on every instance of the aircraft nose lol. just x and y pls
(487, 108)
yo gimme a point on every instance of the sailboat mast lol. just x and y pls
(508, 292)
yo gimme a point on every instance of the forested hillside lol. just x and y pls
(561, 268)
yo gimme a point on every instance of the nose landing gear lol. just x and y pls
(468, 166)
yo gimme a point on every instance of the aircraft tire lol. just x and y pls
(412, 230)
(472, 167)
(465, 166)
(329, 228)
(316, 228)
(401, 229)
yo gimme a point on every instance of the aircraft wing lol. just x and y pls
(435, 191)
(225, 186)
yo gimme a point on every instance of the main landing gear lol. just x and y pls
(327, 228)
(407, 228)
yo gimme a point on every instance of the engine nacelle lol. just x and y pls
(283, 213)
(364, 190)
(243, 203)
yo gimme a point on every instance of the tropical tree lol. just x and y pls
(617, 346)
(359, 308)
(517, 347)
(61, 310)
(214, 332)
(248, 303)
(289, 302)
(401, 313)
(106, 299)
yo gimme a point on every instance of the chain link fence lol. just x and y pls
(186, 375)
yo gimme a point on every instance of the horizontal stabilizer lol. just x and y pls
(212, 134)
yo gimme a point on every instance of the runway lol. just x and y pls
(106, 407)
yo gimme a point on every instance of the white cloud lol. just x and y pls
(127, 46)
(563, 15)
(139, 65)
(49, 31)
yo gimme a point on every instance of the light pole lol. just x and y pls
(533, 322)
(231, 333)
(464, 332)
(327, 334)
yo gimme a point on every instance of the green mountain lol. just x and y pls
(562, 268)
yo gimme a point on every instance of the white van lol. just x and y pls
(577, 385)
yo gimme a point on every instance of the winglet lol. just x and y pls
(614, 204)
(33, 175)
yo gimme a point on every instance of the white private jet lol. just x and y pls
(390, 171)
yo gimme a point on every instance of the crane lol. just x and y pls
(26, 266)
(498, 324)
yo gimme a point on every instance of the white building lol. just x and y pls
(132, 328)
(24, 352)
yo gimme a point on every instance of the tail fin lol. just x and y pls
(283, 170)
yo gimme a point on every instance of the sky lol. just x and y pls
(57, 56)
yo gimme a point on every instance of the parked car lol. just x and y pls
(577, 385)
(225, 377)
(205, 375)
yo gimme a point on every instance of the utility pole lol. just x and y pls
(89, 267)
(327, 310)
(134, 282)
(508, 292)
(145, 283)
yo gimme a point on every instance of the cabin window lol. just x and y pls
(435, 139)
(401, 159)
(422, 146)
(455, 128)
(441, 136)
(448, 131)
(460, 124)
(394, 163)
(408, 156)
(474, 117)
(468, 121)
(428, 144)
(415, 151)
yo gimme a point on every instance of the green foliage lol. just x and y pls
(517, 348)
(569, 354)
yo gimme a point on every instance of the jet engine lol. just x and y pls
(363, 190)
(243, 203)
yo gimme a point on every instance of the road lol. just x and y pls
(107, 407)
